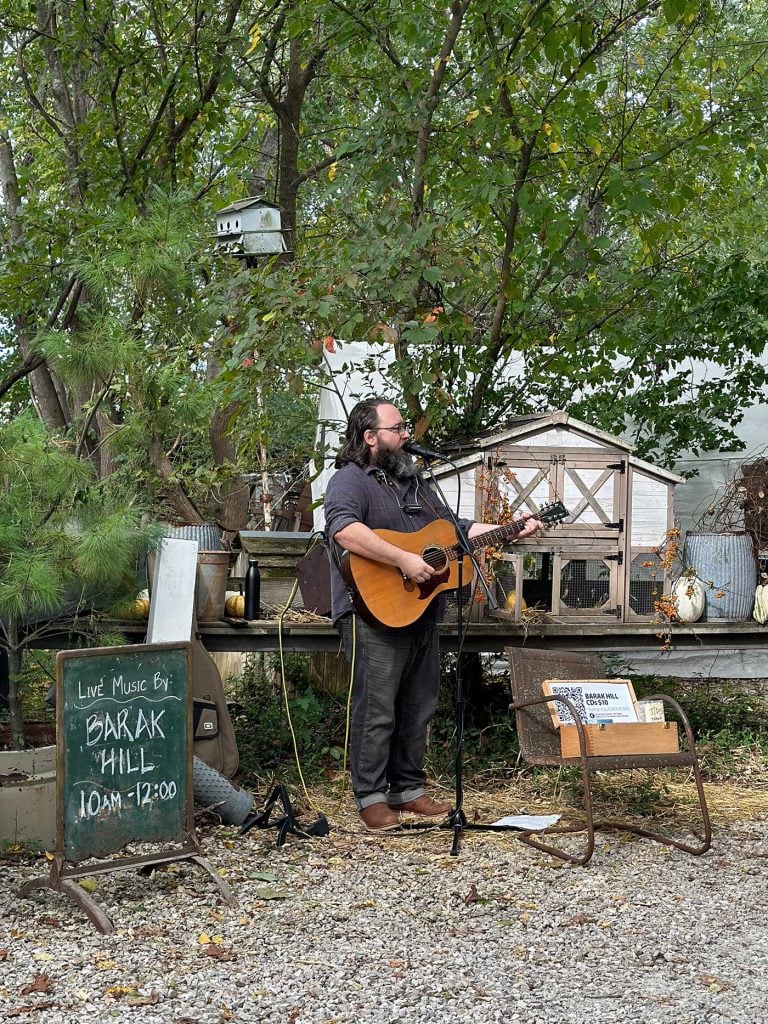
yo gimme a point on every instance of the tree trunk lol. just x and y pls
(41, 383)
(235, 492)
(174, 492)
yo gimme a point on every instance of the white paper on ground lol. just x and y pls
(528, 821)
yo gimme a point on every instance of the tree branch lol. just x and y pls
(32, 362)
(458, 11)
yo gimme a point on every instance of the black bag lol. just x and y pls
(213, 735)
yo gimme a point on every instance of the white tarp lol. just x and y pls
(715, 469)
(717, 663)
(356, 370)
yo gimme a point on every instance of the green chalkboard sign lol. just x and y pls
(124, 748)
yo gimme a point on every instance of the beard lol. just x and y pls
(397, 464)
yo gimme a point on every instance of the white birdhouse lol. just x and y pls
(250, 227)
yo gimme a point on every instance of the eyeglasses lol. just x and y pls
(398, 428)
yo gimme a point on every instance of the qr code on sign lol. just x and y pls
(575, 695)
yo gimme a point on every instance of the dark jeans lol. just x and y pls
(394, 696)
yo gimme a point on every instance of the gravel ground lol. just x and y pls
(386, 929)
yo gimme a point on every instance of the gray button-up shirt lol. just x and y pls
(369, 496)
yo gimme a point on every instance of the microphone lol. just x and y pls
(424, 453)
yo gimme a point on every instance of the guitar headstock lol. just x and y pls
(553, 513)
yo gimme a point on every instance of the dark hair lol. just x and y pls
(364, 416)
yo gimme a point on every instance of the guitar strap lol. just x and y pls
(334, 549)
(336, 552)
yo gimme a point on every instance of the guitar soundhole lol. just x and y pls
(436, 557)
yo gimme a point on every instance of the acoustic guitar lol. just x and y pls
(384, 597)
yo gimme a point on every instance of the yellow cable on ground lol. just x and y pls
(284, 684)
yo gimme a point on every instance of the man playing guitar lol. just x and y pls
(396, 676)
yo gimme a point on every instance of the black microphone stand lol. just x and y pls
(457, 820)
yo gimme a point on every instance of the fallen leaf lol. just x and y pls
(3, 954)
(271, 894)
(714, 984)
(21, 1010)
(118, 991)
(579, 918)
(203, 938)
(89, 884)
(138, 1000)
(216, 952)
(40, 983)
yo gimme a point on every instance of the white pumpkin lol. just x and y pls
(760, 612)
(689, 594)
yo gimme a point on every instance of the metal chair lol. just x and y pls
(540, 745)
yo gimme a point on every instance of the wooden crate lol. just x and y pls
(617, 738)
(277, 551)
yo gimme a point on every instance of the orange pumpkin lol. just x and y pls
(234, 606)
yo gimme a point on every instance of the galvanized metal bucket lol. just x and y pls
(212, 568)
(726, 565)
(207, 535)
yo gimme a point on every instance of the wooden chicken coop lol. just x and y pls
(603, 559)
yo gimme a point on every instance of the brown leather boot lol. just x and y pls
(379, 818)
(424, 805)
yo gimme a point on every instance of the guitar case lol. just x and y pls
(213, 734)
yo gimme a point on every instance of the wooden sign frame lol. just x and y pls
(132, 742)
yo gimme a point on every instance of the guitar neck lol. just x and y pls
(493, 537)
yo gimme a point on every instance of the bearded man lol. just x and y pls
(396, 672)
